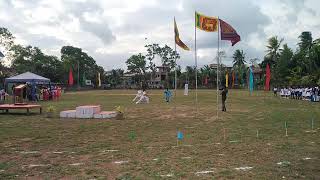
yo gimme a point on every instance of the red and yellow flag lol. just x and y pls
(177, 38)
(207, 23)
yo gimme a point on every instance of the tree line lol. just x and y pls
(289, 67)
(31, 58)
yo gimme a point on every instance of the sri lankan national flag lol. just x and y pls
(177, 38)
(207, 23)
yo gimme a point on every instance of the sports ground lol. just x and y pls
(249, 141)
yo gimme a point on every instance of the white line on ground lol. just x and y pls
(110, 150)
(167, 175)
(76, 164)
(186, 158)
(29, 152)
(283, 163)
(120, 162)
(203, 172)
(58, 152)
(244, 168)
(36, 165)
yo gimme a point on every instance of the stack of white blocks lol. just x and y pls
(88, 112)
(105, 115)
(68, 114)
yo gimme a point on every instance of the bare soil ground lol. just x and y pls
(246, 142)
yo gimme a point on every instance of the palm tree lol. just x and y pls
(273, 49)
(305, 41)
(238, 58)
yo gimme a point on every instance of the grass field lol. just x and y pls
(144, 145)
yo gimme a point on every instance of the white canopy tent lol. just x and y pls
(27, 77)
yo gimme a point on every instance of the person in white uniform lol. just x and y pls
(138, 96)
(144, 99)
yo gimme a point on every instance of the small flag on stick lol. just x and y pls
(180, 135)
(286, 126)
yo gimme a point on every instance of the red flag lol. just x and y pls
(70, 77)
(206, 80)
(268, 77)
(228, 33)
(233, 79)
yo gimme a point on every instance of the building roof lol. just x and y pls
(27, 77)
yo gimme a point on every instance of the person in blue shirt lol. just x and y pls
(167, 95)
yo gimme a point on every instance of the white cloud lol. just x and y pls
(111, 31)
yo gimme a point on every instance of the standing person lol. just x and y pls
(167, 95)
(224, 94)
(275, 90)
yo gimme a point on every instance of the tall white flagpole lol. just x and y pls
(218, 59)
(195, 58)
(175, 64)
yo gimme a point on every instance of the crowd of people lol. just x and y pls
(302, 93)
(32, 92)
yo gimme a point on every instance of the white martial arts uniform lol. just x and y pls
(138, 96)
(144, 99)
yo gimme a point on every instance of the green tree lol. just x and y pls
(282, 72)
(152, 50)
(34, 60)
(72, 56)
(273, 49)
(305, 41)
(167, 56)
(115, 77)
(137, 64)
(238, 58)
(6, 38)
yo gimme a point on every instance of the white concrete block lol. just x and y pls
(68, 114)
(105, 115)
(87, 111)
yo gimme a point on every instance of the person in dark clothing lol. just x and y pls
(224, 93)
